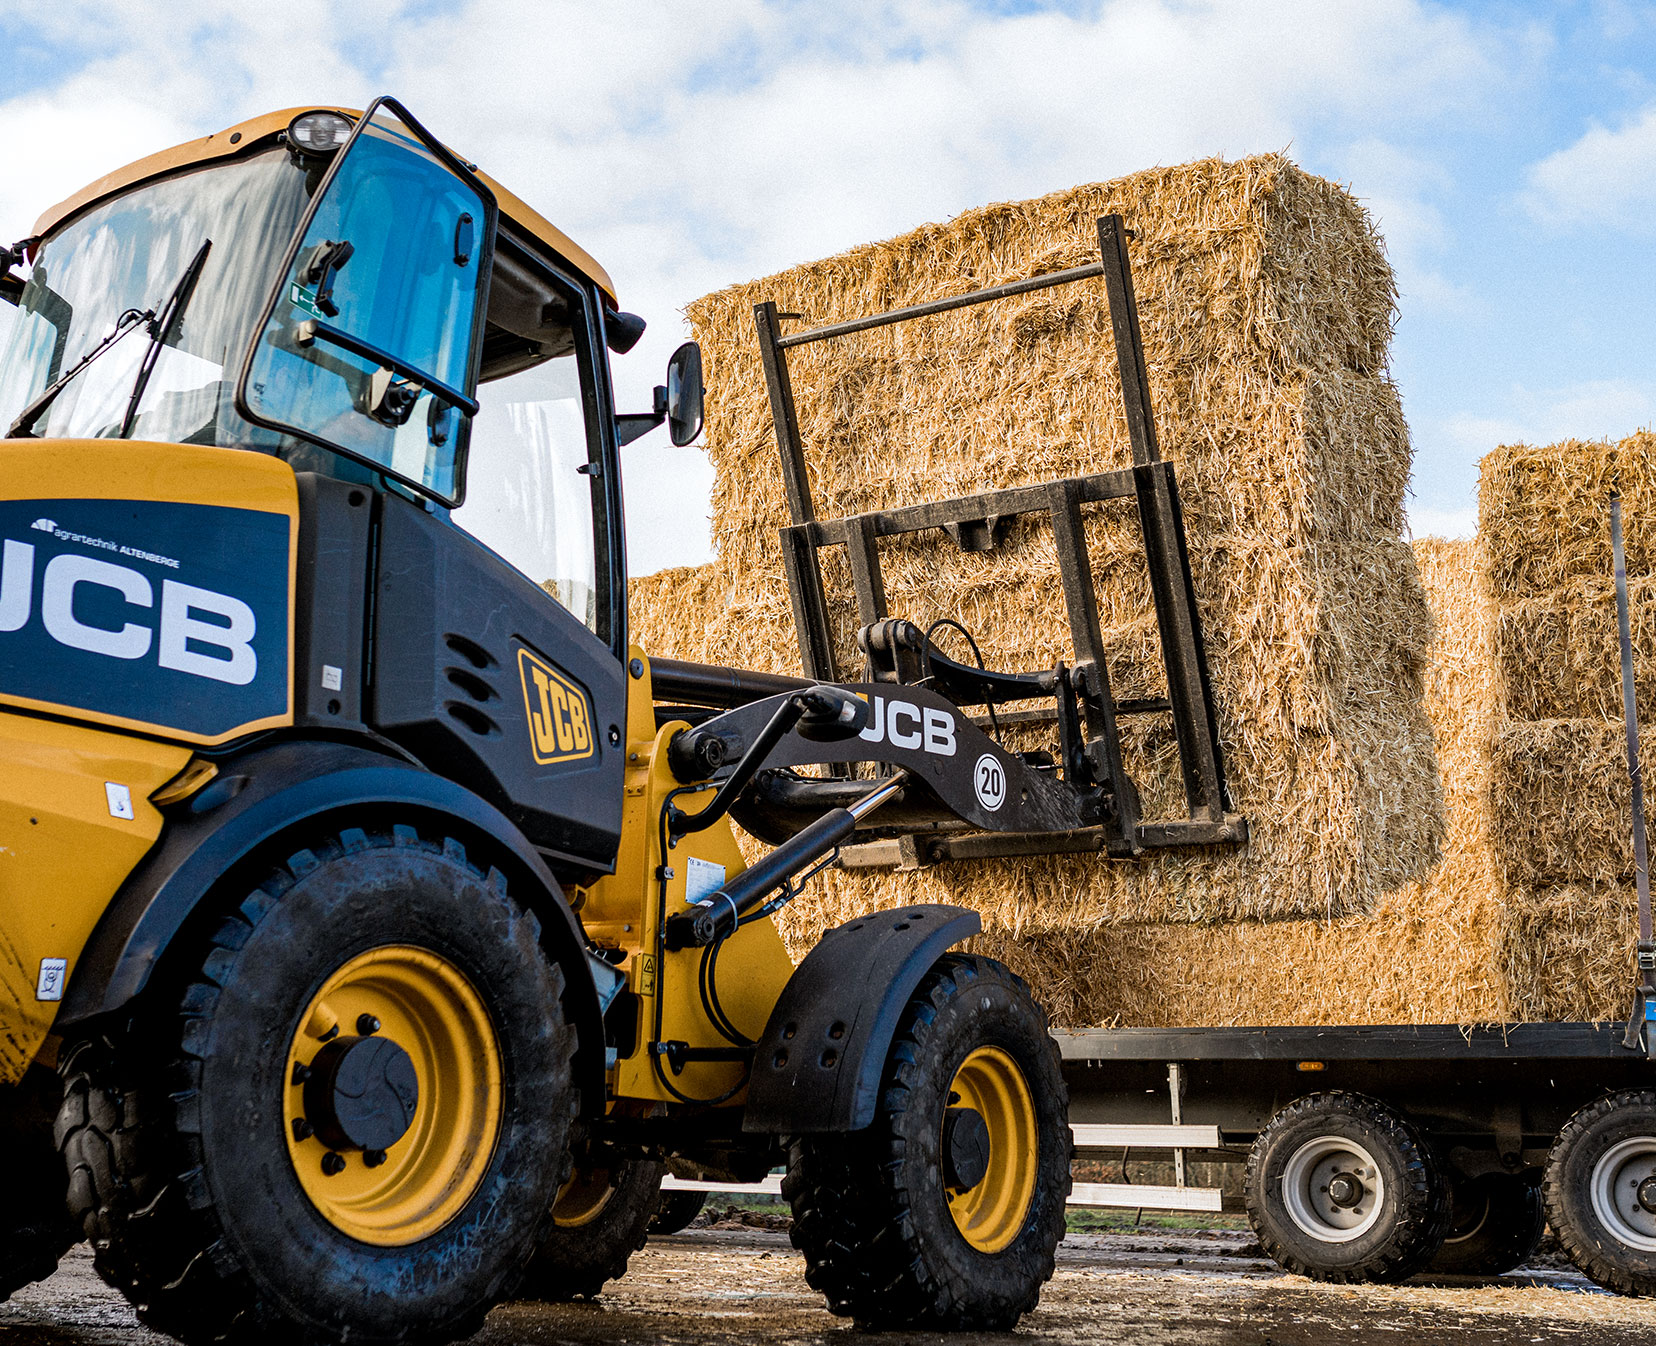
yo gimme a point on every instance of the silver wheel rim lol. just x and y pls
(1318, 1183)
(1484, 1207)
(1615, 1191)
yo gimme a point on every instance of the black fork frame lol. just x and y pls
(978, 523)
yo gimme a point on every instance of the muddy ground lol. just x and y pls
(743, 1285)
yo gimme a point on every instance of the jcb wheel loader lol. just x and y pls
(376, 903)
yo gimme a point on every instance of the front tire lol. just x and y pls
(1340, 1188)
(599, 1220)
(946, 1212)
(1601, 1191)
(352, 1123)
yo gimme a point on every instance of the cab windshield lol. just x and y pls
(129, 253)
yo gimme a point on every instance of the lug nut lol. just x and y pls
(332, 1163)
(302, 1129)
(373, 1158)
(367, 1025)
(301, 1072)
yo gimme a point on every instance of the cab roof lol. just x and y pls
(245, 135)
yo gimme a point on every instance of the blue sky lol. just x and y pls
(1508, 152)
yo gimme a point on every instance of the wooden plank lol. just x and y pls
(1136, 1196)
(1146, 1137)
(771, 1186)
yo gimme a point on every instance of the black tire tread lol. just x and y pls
(1426, 1216)
(1511, 1232)
(1577, 1242)
(134, 1155)
(676, 1212)
(577, 1262)
(35, 1228)
(853, 1219)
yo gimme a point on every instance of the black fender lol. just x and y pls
(818, 1063)
(262, 795)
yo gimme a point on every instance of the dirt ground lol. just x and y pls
(746, 1286)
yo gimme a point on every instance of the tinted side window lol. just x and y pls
(526, 496)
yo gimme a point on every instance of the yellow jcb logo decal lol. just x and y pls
(560, 720)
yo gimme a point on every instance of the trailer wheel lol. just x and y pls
(944, 1213)
(1495, 1223)
(1340, 1188)
(353, 1119)
(1601, 1191)
(677, 1211)
(600, 1219)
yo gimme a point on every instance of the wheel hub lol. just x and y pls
(362, 1093)
(1332, 1189)
(965, 1148)
(989, 1149)
(1346, 1190)
(391, 1129)
(1623, 1192)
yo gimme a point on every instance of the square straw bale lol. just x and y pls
(1544, 517)
(1563, 803)
(1266, 306)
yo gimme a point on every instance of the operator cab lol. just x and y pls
(343, 292)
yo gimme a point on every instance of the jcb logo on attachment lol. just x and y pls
(560, 718)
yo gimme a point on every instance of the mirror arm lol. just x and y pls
(637, 424)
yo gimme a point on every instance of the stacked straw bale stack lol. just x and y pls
(1436, 951)
(1464, 945)
(1560, 796)
(1266, 305)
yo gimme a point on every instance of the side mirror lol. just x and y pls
(684, 394)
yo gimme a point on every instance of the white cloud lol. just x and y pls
(1608, 177)
(689, 149)
(1426, 521)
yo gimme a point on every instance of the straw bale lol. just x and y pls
(1266, 305)
(1560, 792)
(1544, 518)
(1595, 647)
(1431, 953)
(1560, 657)
(1568, 952)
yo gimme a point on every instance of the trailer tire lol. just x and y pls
(208, 1206)
(1495, 1223)
(1313, 1169)
(677, 1211)
(1601, 1200)
(600, 1219)
(883, 1239)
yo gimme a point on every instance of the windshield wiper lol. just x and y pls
(23, 426)
(172, 313)
(172, 309)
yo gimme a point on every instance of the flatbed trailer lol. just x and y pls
(1492, 1129)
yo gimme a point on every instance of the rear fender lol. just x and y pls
(235, 826)
(818, 1064)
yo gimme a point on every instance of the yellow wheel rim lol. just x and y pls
(990, 1214)
(582, 1199)
(426, 1007)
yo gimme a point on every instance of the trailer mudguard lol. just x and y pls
(228, 828)
(818, 1063)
